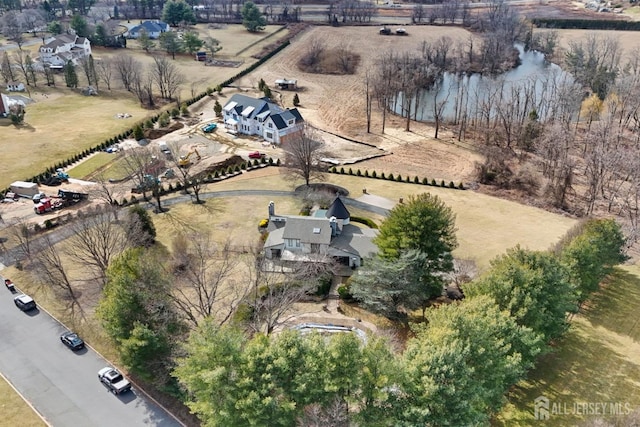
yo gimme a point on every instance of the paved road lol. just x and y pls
(62, 385)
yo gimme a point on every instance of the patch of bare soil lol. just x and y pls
(160, 132)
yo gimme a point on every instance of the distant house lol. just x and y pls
(259, 116)
(59, 50)
(15, 87)
(326, 236)
(153, 29)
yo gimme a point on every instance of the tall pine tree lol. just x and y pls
(70, 75)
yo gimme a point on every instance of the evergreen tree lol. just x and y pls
(252, 18)
(145, 41)
(192, 42)
(177, 11)
(70, 75)
(217, 108)
(171, 43)
(55, 28)
(296, 100)
(79, 25)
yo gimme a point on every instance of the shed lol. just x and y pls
(289, 84)
(24, 189)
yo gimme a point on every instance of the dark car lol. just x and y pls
(72, 340)
(24, 302)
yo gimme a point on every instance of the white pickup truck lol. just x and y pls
(114, 380)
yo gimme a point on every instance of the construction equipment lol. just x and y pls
(62, 175)
(185, 161)
(148, 183)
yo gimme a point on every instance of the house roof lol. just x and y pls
(354, 240)
(150, 27)
(308, 229)
(281, 119)
(251, 107)
(338, 209)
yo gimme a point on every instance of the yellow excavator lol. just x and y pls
(185, 161)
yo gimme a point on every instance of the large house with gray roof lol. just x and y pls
(259, 116)
(152, 28)
(327, 235)
(57, 51)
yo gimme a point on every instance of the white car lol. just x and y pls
(113, 380)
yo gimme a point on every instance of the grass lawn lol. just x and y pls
(106, 164)
(597, 361)
(14, 410)
(487, 226)
(55, 131)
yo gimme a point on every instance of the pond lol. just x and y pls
(535, 84)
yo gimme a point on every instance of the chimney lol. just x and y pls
(272, 209)
(334, 226)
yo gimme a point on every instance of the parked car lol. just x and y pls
(72, 340)
(256, 155)
(113, 380)
(112, 148)
(24, 302)
(209, 127)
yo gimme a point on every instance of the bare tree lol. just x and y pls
(23, 234)
(208, 278)
(127, 68)
(368, 91)
(303, 154)
(185, 173)
(418, 14)
(6, 69)
(311, 59)
(104, 71)
(277, 288)
(49, 75)
(166, 76)
(34, 21)
(144, 167)
(19, 60)
(13, 27)
(95, 242)
(52, 272)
